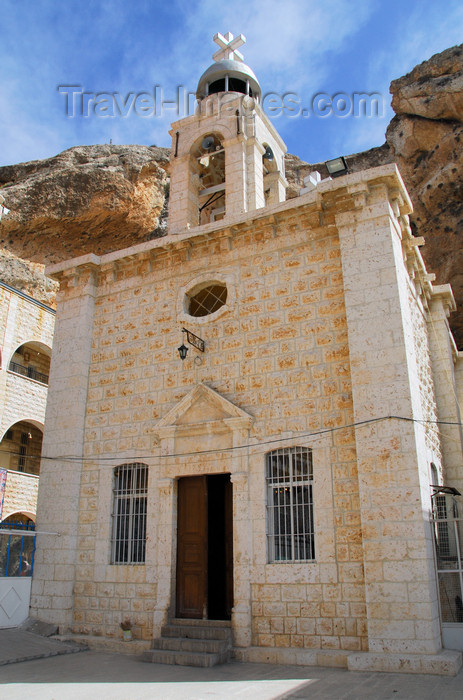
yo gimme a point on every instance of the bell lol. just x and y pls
(268, 155)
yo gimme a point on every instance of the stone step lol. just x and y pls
(192, 643)
(183, 658)
(213, 646)
(192, 622)
(196, 631)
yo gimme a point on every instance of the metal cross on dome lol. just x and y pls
(228, 47)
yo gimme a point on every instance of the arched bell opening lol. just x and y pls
(270, 175)
(207, 177)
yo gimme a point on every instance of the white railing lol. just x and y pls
(448, 532)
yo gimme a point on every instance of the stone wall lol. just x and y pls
(22, 321)
(20, 494)
(293, 366)
(25, 399)
(279, 351)
(22, 398)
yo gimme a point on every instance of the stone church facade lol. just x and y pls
(280, 477)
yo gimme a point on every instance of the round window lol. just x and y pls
(206, 299)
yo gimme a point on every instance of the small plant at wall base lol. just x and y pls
(126, 627)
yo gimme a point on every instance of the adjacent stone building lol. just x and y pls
(278, 478)
(27, 328)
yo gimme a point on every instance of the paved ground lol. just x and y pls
(107, 676)
(19, 645)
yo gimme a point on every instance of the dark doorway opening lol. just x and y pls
(205, 548)
(220, 547)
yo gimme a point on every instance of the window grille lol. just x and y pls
(207, 300)
(448, 538)
(290, 530)
(23, 452)
(129, 514)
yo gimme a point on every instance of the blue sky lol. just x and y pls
(305, 47)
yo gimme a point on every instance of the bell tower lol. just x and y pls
(227, 159)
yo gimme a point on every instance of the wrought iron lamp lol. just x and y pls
(192, 339)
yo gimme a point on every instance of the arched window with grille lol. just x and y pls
(130, 493)
(290, 527)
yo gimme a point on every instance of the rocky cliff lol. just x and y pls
(425, 139)
(102, 198)
(88, 198)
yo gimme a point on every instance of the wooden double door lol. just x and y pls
(205, 547)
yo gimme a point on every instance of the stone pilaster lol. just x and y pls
(255, 176)
(242, 558)
(58, 502)
(165, 571)
(444, 357)
(393, 472)
(235, 176)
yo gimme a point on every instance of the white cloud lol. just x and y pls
(429, 29)
(296, 45)
(288, 42)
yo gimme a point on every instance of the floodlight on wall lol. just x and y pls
(337, 167)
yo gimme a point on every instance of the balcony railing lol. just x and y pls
(28, 372)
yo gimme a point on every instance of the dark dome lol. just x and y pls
(238, 73)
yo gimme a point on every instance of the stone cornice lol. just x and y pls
(355, 186)
(445, 293)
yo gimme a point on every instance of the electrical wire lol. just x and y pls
(297, 436)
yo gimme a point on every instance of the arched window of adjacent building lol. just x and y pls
(290, 524)
(32, 360)
(130, 494)
(25, 521)
(207, 181)
(21, 448)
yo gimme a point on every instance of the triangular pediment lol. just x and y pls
(203, 405)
